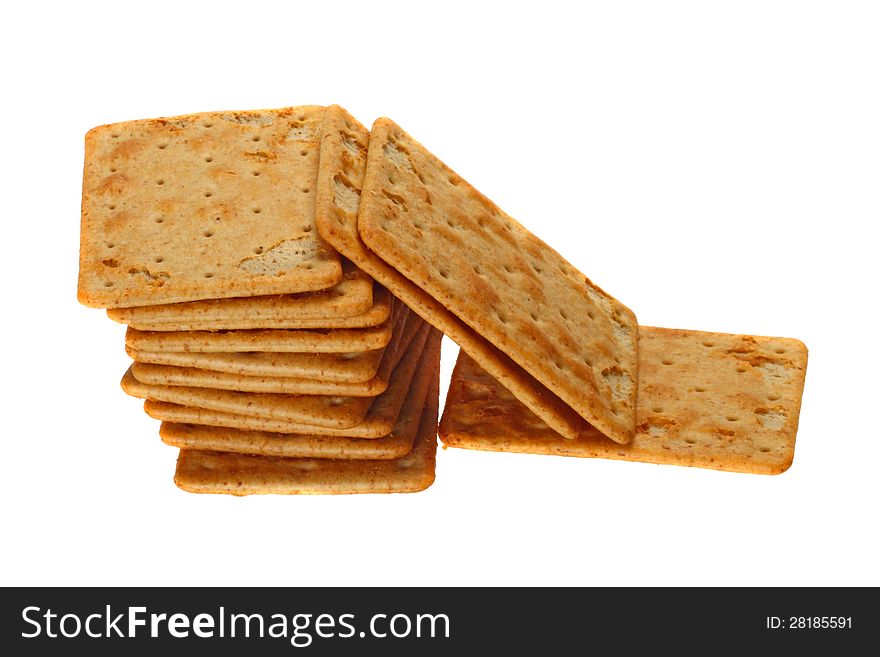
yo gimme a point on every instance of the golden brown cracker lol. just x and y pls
(202, 206)
(344, 144)
(351, 296)
(709, 400)
(423, 393)
(506, 284)
(379, 421)
(376, 315)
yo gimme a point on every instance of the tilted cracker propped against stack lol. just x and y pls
(286, 277)
(339, 193)
(562, 345)
(550, 337)
(199, 233)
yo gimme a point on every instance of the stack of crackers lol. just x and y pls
(286, 277)
(274, 364)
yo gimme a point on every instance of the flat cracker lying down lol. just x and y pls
(423, 392)
(348, 368)
(353, 295)
(192, 377)
(376, 315)
(202, 206)
(316, 410)
(326, 341)
(708, 400)
(237, 474)
(379, 421)
(340, 181)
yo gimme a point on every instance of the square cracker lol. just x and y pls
(423, 392)
(340, 180)
(238, 474)
(379, 421)
(708, 400)
(192, 377)
(376, 315)
(506, 284)
(353, 295)
(356, 367)
(202, 206)
(326, 341)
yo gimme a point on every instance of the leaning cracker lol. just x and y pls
(510, 287)
(351, 296)
(343, 163)
(422, 393)
(330, 341)
(187, 376)
(376, 315)
(237, 474)
(378, 423)
(202, 206)
(708, 400)
(355, 367)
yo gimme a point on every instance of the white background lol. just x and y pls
(713, 165)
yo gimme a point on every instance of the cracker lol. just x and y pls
(352, 296)
(202, 206)
(238, 474)
(186, 376)
(340, 368)
(379, 421)
(376, 315)
(343, 162)
(422, 393)
(329, 341)
(708, 400)
(317, 410)
(356, 367)
(510, 287)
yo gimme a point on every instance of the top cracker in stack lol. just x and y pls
(561, 345)
(203, 206)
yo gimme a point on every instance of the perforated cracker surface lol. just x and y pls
(506, 284)
(202, 206)
(340, 179)
(709, 400)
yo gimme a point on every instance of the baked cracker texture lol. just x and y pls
(340, 180)
(351, 296)
(327, 341)
(239, 474)
(199, 378)
(349, 367)
(707, 400)
(202, 206)
(379, 421)
(521, 295)
(422, 392)
(376, 315)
